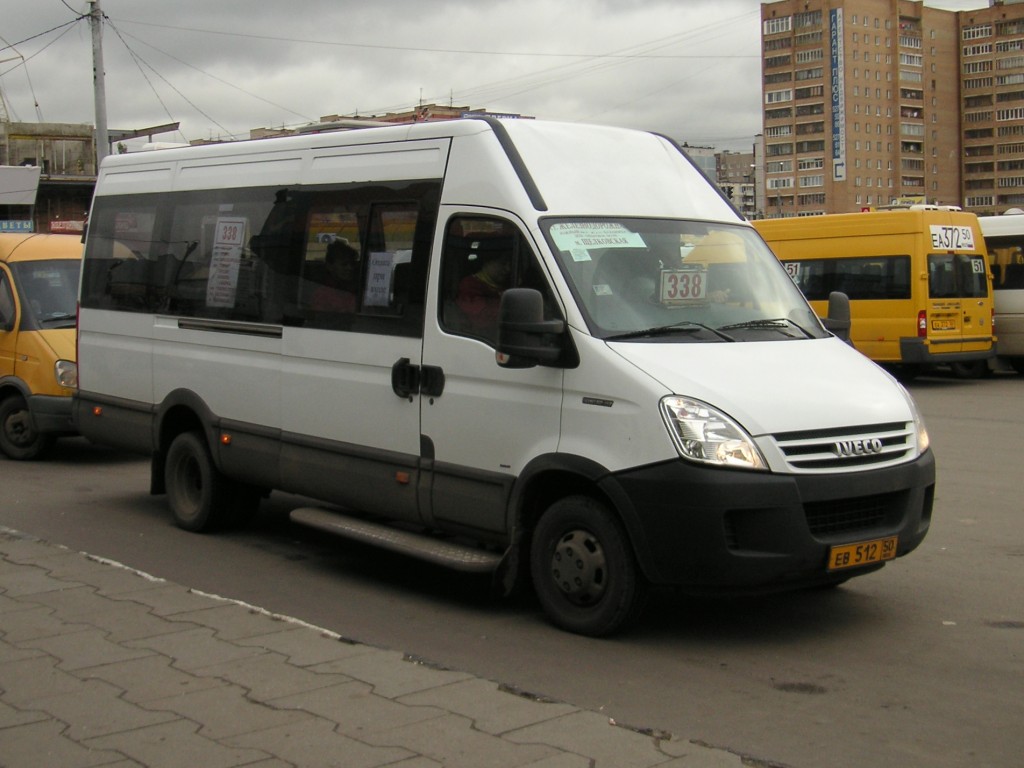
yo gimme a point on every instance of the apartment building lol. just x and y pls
(861, 105)
(992, 91)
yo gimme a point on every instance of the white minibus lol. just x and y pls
(1004, 238)
(532, 349)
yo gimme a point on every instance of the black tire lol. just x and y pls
(583, 568)
(907, 372)
(19, 440)
(199, 495)
(1017, 363)
(976, 369)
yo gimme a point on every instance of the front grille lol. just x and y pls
(849, 449)
(825, 518)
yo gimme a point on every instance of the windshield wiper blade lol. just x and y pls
(775, 322)
(685, 326)
(57, 317)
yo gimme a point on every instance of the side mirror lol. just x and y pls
(525, 338)
(838, 320)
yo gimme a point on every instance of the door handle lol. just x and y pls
(431, 381)
(405, 378)
(408, 379)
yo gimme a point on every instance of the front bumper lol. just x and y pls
(51, 414)
(719, 530)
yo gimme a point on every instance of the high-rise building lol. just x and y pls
(992, 89)
(861, 104)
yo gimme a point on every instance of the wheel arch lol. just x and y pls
(549, 478)
(12, 386)
(181, 411)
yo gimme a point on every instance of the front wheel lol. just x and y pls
(19, 439)
(199, 495)
(583, 568)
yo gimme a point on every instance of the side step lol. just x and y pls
(457, 556)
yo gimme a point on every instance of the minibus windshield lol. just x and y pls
(49, 292)
(678, 280)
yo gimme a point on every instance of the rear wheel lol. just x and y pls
(199, 495)
(975, 369)
(583, 569)
(19, 439)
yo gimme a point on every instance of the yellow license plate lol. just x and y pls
(862, 553)
(943, 325)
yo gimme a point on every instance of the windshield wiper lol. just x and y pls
(768, 324)
(57, 317)
(684, 326)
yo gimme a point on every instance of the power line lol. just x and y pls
(461, 51)
(218, 79)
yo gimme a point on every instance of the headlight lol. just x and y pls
(705, 434)
(66, 373)
(923, 441)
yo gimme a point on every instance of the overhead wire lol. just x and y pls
(139, 61)
(584, 64)
(215, 77)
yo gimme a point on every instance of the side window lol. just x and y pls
(364, 264)
(343, 257)
(331, 264)
(482, 258)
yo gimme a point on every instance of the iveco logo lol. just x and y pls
(846, 449)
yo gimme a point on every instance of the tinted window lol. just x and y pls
(952, 276)
(875, 277)
(482, 257)
(1006, 255)
(268, 255)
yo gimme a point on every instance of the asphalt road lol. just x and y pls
(920, 664)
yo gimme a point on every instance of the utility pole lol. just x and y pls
(99, 89)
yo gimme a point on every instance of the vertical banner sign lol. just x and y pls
(838, 96)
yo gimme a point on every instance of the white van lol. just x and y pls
(517, 347)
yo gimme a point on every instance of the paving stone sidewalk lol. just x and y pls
(101, 665)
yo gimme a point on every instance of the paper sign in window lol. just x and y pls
(228, 239)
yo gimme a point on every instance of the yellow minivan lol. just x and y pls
(918, 280)
(39, 276)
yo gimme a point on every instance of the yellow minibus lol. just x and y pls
(918, 281)
(38, 374)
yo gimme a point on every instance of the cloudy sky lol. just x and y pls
(687, 68)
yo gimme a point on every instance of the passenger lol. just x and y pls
(479, 294)
(338, 294)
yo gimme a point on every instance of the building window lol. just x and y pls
(977, 50)
(805, 57)
(777, 26)
(977, 31)
(975, 67)
(807, 19)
